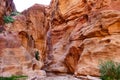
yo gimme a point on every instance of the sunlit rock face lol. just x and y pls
(70, 36)
(23, 44)
(31, 29)
(84, 32)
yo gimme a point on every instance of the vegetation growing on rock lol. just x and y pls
(37, 55)
(9, 18)
(110, 70)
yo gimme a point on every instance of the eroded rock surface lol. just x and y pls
(23, 44)
(71, 36)
(83, 33)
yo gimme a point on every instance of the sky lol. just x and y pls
(24, 4)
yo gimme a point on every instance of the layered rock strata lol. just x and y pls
(70, 36)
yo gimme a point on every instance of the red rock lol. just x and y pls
(83, 24)
(71, 36)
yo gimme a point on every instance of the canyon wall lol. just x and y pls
(23, 42)
(83, 33)
(71, 36)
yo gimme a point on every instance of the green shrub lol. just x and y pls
(8, 19)
(110, 70)
(13, 78)
(37, 55)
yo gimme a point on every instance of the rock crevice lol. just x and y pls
(70, 36)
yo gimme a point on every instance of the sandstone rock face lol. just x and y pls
(31, 29)
(22, 41)
(14, 58)
(102, 43)
(83, 32)
(69, 36)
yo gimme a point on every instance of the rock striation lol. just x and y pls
(22, 41)
(71, 36)
(84, 32)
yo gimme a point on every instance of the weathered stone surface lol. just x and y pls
(20, 41)
(65, 77)
(101, 43)
(82, 33)
(71, 36)
(14, 58)
(30, 28)
(35, 74)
